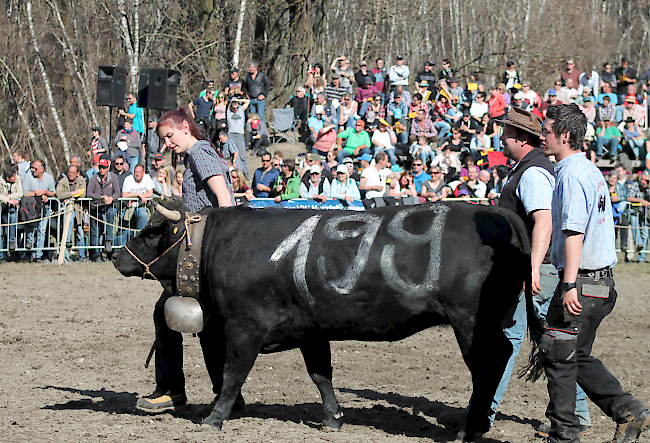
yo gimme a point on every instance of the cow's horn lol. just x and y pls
(168, 213)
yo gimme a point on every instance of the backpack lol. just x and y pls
(30, 209)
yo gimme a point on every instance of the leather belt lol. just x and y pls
(597, 274)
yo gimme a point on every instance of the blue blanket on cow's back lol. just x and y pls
(306, 203)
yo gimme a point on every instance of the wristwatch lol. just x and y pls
(566, 287)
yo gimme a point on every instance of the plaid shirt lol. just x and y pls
(201, 163)
(635, 191)
(229, 149)
(607, 113)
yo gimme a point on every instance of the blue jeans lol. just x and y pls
(343, 153)
(619, 114)
(257, 106)
(363, 107)
(79, 236)
(496, 141)
(352, 121)
(611, 143)
(40, 231)
(133, 162)
(390, 152)
(637, 220)
(548, 281)
(9, 215)
(638, 147)
(443, 127)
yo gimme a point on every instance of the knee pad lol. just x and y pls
(559, 346)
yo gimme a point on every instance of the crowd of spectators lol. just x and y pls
(380, 135)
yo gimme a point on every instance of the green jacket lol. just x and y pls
(293, 187)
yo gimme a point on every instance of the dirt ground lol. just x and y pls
(73, 340)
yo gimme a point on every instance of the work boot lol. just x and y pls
(544, 429)
(158, 402)
(629, 431)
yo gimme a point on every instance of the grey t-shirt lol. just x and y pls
(201, 163)
(236, 121)
(31, 183)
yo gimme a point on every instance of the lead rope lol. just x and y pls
(147, 266)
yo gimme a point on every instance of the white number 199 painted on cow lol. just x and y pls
(302, 237)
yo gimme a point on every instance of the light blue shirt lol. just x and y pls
(341, 190)
(581, 203)
(535, 189)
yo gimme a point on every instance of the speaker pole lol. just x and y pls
(146, 138)
(110, 123)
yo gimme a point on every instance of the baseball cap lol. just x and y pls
(519, 96)
(334, 76)
(96, 128)
(96, 158)
(159, 156)
(630, 99)
(552, 92)
(103, 163)
(315, 157)
(234, 70)
(399, 57)
(366, 157)
(348, 160)
(587, 99)
(363, 63)
(342, 169)
(315, 169)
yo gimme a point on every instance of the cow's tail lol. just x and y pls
(534, 369)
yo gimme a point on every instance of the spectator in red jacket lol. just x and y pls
(497, 104)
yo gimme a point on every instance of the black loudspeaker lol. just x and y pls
(157, 88)
(111, 86)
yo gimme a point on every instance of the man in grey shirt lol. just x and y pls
(236, 117)
(39, 184)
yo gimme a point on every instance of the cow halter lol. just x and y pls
(188, 219)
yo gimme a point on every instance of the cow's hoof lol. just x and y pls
(334, 422)
(212, 421)
(463, 436)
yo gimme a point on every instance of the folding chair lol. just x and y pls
(284, 123)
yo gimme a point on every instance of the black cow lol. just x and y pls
(283, 279)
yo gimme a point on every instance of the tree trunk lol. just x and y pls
(46, 84)
(240, 27)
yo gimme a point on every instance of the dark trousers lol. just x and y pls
(255, 144)
(568, 343)
(98, 229)
(169, 350)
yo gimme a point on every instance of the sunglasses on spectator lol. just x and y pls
(118, 164)
(266, 161)
(417, 164)
(340, 173)
(103, 167)
(234, 176)
(315, 173)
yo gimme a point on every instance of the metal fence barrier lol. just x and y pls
(116, 221)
